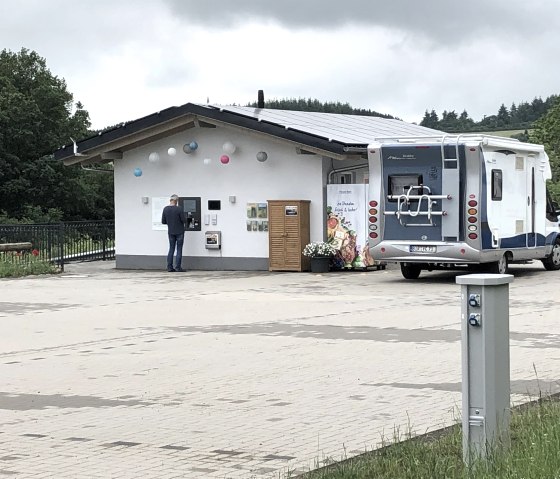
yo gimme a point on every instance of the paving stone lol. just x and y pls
(261, 373)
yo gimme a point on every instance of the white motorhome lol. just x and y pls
(465, 200)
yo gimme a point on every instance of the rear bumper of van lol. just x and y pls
(431, 252)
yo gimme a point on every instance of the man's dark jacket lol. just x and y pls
(172, 216)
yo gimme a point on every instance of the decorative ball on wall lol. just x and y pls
(171, 151)
(153, 157)
(224, 159)
(137, 172)
(207, 161)
(193, 145)
(187, 148)
(229, 147)
(262, 156)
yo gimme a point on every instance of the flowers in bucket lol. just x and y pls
(318, 249)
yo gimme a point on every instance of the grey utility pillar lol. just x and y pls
(485, 362)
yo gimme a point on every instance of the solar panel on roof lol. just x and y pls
(347, 129)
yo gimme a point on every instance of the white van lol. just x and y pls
(465, 200)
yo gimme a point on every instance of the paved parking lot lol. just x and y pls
(125, 374)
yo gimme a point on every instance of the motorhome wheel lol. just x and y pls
(410, 270)
(552, 262)
(500, 267)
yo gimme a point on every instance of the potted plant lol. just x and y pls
(320, 254)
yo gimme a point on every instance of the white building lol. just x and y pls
(302, 153)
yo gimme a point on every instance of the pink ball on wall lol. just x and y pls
(224, 159)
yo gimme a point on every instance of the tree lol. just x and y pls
(547, 133)
(430, 120)
(513, 114)
(434, 118)
(465, 122)
(503, 116)
(37, 116)
(449, 121)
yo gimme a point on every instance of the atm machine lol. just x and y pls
(190, 206)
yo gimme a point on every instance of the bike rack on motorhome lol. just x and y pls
(460, 200)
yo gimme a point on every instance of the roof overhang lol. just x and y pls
(111, 144)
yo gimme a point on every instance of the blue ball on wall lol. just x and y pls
(137, 172)
(193, 145)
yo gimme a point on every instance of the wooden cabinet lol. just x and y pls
(288, 233)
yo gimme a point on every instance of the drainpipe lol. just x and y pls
(342, 170)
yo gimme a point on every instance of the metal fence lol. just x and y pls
(62, 242)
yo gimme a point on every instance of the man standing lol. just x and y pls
(172, 216)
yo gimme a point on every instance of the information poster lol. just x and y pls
(257, 217)
(158, 204)
(347, 225)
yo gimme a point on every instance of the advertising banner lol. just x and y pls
(347, 225)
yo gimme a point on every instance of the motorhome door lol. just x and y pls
(416, 206)
(531, 204)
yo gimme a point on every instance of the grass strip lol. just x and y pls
(26, 268)
(534, 452)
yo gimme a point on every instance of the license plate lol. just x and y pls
(422, 249)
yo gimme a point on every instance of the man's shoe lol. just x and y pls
(180, 270)
(170, 270)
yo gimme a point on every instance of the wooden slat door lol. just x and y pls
(276, 235)
(292, 243)
(288, 235)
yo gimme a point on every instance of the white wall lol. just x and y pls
(285, 175)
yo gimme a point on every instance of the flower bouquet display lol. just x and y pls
(320, 254)
(318, 249)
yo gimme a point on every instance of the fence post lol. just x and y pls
(104, 233)
(61, 245)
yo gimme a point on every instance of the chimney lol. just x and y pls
(260, 99)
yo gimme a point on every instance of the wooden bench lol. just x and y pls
(16, 246)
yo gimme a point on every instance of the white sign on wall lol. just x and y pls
(158, 204)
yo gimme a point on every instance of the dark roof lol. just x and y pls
(326, 131)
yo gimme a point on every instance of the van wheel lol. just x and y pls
(410, 270)
(500, 267)
(552, 261)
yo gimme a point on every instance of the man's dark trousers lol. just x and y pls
(175, 241)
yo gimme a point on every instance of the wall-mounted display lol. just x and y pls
(214, 204)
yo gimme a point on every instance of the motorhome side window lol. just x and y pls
(496, 185)
(400, 184)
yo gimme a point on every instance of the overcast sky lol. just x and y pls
(126, 59)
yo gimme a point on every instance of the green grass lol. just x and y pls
(27, 267)
(534, 453)
(505, 133)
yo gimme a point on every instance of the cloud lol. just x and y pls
(448, 21)
(125, 60)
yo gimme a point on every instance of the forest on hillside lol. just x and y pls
(312, 104)
(517, 117)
